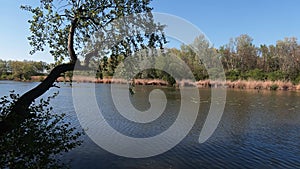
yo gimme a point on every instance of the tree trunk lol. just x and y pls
(71, 50)
(19, 112)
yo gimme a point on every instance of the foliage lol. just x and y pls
(279, 62)
(274, 87)
(276, 75)
(21, 70)
(38, 141)
(263, 63)
(67, 27)
(232, 75)
(296, 80)
(168, 78)
(70, 29)
(115, 27)
(256, 74)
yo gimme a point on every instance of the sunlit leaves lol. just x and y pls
(51, 22)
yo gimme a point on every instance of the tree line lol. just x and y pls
(21, 70)
(240, 58)
(243, 60)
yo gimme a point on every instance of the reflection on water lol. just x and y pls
(257, 130)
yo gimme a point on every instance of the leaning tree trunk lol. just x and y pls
(19, 112)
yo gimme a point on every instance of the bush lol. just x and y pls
(296, 80)
(6, 77)
(3, 77)
(274, 87)
(36, 142)
(233, 75)
(171, 81)
(256, 74)
(276, 75)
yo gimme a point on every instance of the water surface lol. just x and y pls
(257, 130)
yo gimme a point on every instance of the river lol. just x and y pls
(257, 129)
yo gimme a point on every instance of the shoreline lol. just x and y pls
(239, 84)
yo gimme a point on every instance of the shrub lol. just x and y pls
(171, 81)
(37, 141)
(296, 80)
(256, 74)
(274, 87)
(6, 77)
(232, 75)
(276, 75)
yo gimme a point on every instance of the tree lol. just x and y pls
(3, 68)
(229, 56)
(207, 58)
(268, 61)
(288, 52)
(23, 70)
(246, 52)
(239, 54)
(65, 26)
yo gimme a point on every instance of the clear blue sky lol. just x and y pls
(266, 21)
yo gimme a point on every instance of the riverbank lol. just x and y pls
(239, 84)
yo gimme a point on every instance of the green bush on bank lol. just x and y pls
(259, 75)
(233, 75)
(274, 87)
(256, 74)
(276, 75)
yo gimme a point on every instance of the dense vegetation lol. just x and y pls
(241, 59)
(21, 70)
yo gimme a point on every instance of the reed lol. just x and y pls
(186, 83)
(239, 84)
(259, 85)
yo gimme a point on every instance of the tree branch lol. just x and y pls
(19, 112)
(71, 50)
(89, 56)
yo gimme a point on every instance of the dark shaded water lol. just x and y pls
(257, 130)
